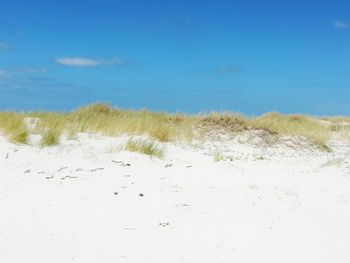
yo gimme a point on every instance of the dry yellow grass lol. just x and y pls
(294, 125)
(337, 119)
(50, 138)
(104, 119)
(13, 126)
(145, 147)
(228, 122)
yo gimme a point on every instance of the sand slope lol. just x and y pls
(83, 201)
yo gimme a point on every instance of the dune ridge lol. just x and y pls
(221, 190)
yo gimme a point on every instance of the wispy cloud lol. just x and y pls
(88, 62)
(230, 69)
(28, 69)
(341, 25)
(4, 46)
(19, 70)
(39, 88)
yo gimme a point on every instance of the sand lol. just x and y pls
(86, 201)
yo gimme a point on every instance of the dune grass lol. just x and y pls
(145, 147)
(103, 119)
(19, 136)
(228, 122)
(50, 138)
(218, 156)
(337, 119)
(294, 125)
(13, 126)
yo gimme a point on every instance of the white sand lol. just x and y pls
(261, 204)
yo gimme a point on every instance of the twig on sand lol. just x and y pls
(69, 176)
(61, 169)
(121, 163)
(97, 169)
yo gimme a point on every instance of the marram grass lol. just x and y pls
(103, 119)
(50, 137)
(145, 147)
(294, 125)
(13, 126)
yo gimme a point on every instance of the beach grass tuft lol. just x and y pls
(294, 125)
(13, 126)
(50, 138)
(19, 136)
(145, 147)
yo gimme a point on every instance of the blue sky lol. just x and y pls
(249, 56)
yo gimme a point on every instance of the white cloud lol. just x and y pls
(88, 62)
(30, 69)
(19, 71)
(341, 25)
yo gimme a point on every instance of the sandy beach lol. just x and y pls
(85, 200)
(174, 131)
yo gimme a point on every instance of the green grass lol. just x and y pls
(12, 125)
(218, 156)
(145, 147)
(103, 119)
(19, 135)
(50, 138)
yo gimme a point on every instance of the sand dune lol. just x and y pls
(229, 200)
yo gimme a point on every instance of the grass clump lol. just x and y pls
(218, 156)
(161, 133)
(294, 125)
(19, 135)
(224, 121)
(13, 126)
(50, 138)
(104, 119)
(145, 147)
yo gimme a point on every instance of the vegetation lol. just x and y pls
(294, 125)
(145, 147)
(50, 138)
(19, 135)
(218, 156)
(104, 119)
(12, 125)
